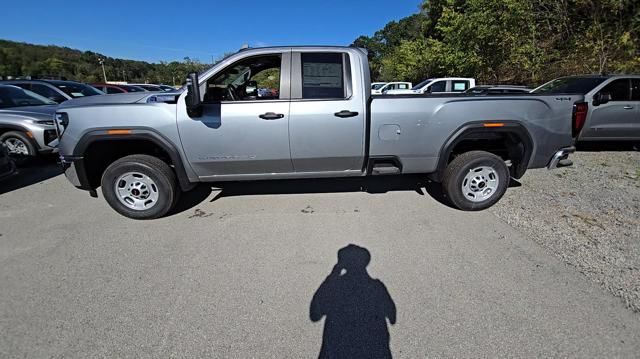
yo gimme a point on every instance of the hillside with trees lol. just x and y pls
(508, 41)
(37, 61)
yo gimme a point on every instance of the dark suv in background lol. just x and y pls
(56, 90)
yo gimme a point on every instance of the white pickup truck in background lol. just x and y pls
(438, 85)
(391, 86)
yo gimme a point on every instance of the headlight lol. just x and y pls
(44, 122)
(61, 122)
(62, 119)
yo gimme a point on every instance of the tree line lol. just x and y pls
(54, 62)
(508, 41)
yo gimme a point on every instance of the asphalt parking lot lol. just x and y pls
(233, 274)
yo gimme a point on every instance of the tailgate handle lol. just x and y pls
(345, 114)
(271, 116)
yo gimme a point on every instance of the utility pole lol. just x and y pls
(104, 73)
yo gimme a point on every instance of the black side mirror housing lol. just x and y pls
(601, 98)
(193, 100)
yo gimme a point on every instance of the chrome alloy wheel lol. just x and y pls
(480, 184)
(136, 191)
(16, 146)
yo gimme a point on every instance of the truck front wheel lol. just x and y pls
(140, 187)
(475, 180)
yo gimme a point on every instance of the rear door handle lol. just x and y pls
(271, 116)
(345, 114)
(628, 107)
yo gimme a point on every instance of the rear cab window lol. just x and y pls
(459, 85)
(323, 76)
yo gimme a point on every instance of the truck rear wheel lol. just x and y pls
(475, 180)
(140, 187)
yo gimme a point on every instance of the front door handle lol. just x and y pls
(271, 116)
(628, 107)
(345, 114)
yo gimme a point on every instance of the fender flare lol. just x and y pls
(463, 132)
(146, 134)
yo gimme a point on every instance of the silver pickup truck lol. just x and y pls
(304, 112)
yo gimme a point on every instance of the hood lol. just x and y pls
(36, 112)
(120, 98)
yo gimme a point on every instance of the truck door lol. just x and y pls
(244, 127)
(327, 118)
(619, 117)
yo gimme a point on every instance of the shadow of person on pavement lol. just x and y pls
(356, 308)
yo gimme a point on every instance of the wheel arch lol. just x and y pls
(138, 136)
(481, 131)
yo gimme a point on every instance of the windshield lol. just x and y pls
(580, 85)
(16, 97)
(377, 86)
(76, 90)
(422, 84)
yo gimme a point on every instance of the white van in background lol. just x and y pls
(391, 86)
(439, 85)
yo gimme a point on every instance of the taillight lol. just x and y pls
(579, 117)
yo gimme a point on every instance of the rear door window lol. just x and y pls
(322, 76)
(620, 90)
(459, 86)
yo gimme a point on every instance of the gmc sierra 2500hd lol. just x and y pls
(313, 117)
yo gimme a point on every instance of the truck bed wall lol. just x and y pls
(415, 128)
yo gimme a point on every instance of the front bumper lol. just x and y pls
(561, 154)
(7, 169)
(75, 172)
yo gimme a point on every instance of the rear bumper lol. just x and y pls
(560, 155)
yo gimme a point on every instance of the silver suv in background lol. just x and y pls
(26, 122)
(612, 111)
(56, 90)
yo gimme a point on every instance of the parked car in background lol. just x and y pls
(26, 122)
(611, 111)
(56, 90)
(7, 166)
(497, 90)
(144, 149)
(377, 85)
(392, 86)
(113, 88)
(448, 85)
(167, 87)
(149, 87)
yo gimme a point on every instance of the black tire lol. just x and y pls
(22, 137)
(454, 178)
(157, 170)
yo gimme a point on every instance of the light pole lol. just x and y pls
(104, 73)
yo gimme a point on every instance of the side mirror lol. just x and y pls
(193, 101)
(251, 89)
(601, 98)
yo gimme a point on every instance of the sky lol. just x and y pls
(163, 30)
